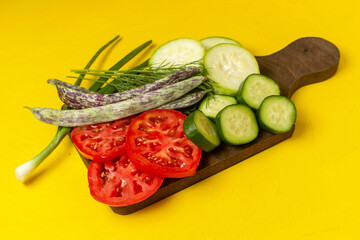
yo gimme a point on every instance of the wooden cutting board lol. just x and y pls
(304, 61)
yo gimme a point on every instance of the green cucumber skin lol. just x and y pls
(226, 40)
(153, 63)
(239, 95)
(203, 104)
(265, 127)
(195, 136)
(220, 128)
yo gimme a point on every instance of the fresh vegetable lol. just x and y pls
(97, 85)
(64, 85)
(228, 65)
(209, 42)
(119, 183)
(214, 103)
(24, 170)
(201, 131)
(277, 114)
(110, 112)
(255, 89)
(186, 101)
(156, 144)
(177, 52)
(81, 99)
(102, 141)
(237, 124)
(111, 86)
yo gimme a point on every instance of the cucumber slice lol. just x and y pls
(255, 89)
(201, 131)
(237, 124)
(212, 41)
(228, 65)
(277, 114)
(177, 52)
(214, 103)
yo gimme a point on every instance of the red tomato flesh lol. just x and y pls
(119, 183)
(156, 144)
(102, 141)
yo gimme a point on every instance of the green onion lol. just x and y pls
(24, 170)
(97, 85)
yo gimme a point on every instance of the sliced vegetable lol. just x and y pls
(237, 124)
(81, 99)
(277, 114)
(255, 89)
(119, 183)
(228, 65)
(102, 141)
(177, 52)
(209, 42)
(201, 131)
(111, 112)
(213, 104)
(156, 144)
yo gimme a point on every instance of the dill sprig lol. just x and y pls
(124, 80)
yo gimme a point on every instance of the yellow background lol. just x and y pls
(304, 188)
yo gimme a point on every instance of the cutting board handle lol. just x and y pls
(304, 61)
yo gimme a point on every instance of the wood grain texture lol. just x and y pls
(304, 61)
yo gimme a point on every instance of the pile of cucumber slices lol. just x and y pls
(243, 99)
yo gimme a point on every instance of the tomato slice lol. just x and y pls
(119, 183)
(102, 141)
(156, 144)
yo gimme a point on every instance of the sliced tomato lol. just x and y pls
(119, 183)
(156, 144)
(102, 141)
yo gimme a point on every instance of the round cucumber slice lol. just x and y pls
(201, 131)
(214, 103)
(255, 89)
(212, 41)
(277, 114)
(177, 52)
(237, 124)
(228, 65)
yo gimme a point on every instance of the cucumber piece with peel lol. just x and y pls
(277, 114)
(228, 65)
(214, 103)
(177, 52)
(209, 42)
(255, 89)
(236, 124)
(201, 131)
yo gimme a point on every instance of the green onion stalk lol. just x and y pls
(23, 171)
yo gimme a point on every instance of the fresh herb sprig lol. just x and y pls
(123, 80)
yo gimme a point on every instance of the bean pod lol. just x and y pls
(77, 98)
(111, 112)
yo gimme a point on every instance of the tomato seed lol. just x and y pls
(158, 119)
(149, 180)
(105, 177)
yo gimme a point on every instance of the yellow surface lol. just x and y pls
(304, 188)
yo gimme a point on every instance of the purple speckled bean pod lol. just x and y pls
(80, 99)
(60, 85)
(111, 112)
(185, 101)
